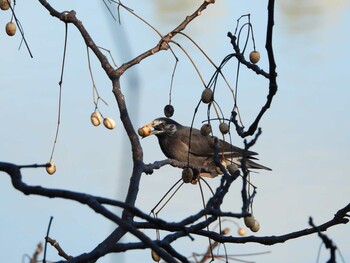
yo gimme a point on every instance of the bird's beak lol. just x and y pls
(147, 130)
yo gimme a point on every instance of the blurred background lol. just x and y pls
(305, 136)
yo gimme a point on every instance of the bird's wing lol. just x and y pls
(230, 150)
(203, 145)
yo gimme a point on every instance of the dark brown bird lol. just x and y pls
(175, 142)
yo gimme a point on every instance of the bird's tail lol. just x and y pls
(249, 163)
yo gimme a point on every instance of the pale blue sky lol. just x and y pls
(305, 133)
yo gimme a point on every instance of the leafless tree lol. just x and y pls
(133, 220)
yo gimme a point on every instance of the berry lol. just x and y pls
(109, 123)
(155, 256)
(255, 227)
(249, 221)
(207, 95)
(254, 57)
(5, 4)
(95, 118)
(50, 167)
(232, 168)
(241, 231)
(168, 111)
(206, 129)
(223, 128)
(187, 175)
(10, 29)
(144, 131)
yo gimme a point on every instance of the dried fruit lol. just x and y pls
(242, 231)
(232, 168)
(223, 127)
(187, 175)
(155, 256)
(206, 129)
(168, 110)
(144, 131)
(50, 167)
(5, 4)
(95, 118)
(254, 57)
(207, 95)
(255, 227)
(109, 123)
(225, 231)
(249, 221)
(10, 29)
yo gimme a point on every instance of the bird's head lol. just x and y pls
(159, 127)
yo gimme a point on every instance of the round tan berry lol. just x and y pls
(187, 175)
(144, 131)
(249, 221)
(241, 231)
(254, 57)
(225, 231)
(223, 127)
(168, 111)
(10, 29)
(206, 129)
(50, 167)
(256, 226)
(155, 256)
(109, 123)
(207, 95)
(5, 4)
(95, 118)
(232, 168)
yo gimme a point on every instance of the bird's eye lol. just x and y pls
(160, 126)
(171, 128)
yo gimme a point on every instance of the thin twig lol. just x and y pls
(47, 235)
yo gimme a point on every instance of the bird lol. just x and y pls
(186, 144)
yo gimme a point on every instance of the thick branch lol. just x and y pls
(93, 203)
(339, 218)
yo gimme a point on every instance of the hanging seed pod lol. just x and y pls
(109, 123)
(206, 129)
(254, 57)
(10, 29)
(187, 175)
(249, 221)
(5, 4)
(50, 168)
(241, 231)
(95, 118)
(155, 256)
(223, 127)
(256, 226)
(207, 96)
(232, 168)
(168, 111)
(225, 231)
